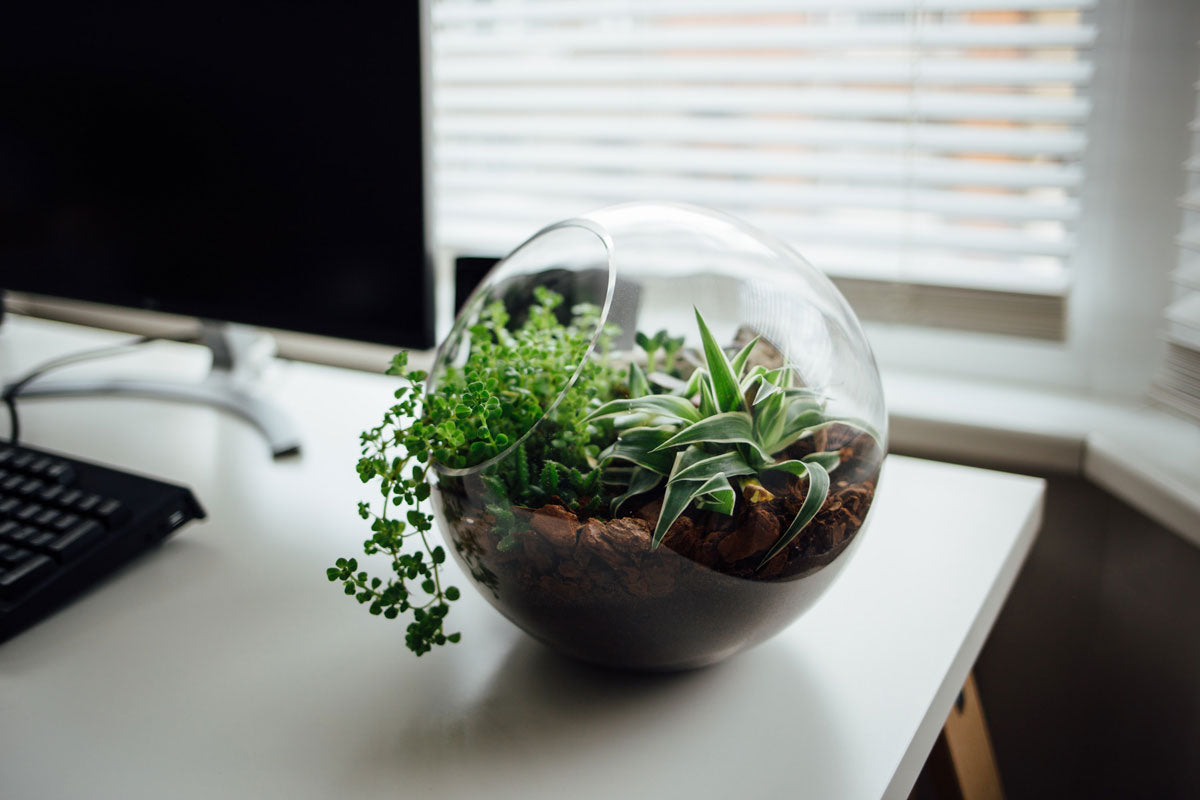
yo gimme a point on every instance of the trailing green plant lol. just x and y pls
(396, 452)
(729, 423)
(509, 381)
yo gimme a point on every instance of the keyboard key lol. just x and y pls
(7, 555)
(27, 512)
(29, 487)
(7, 527)
(87, 504)
(64, 522)
(11, 483)
(70, 497)
(21, 461)
(40, 539)
(8, 507)
(47, 518)
(74, 541)
(111, 513)
(24, 534)
(40, 465)
(6, 455)
(50, 493)
(60, 472)
(17, 555)
(15, 580)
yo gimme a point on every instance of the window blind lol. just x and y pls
(1178, 381)
(926, 155)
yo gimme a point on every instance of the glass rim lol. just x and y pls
(601, 233)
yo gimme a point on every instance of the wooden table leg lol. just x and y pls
(962, 764)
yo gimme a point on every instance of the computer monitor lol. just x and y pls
(251, 162)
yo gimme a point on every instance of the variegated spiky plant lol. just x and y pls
(729, 424)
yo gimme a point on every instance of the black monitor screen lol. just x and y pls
(256, 162)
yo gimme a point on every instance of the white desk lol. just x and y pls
(225, 665)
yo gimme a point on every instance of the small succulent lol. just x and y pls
(653, 344)
(728, 423)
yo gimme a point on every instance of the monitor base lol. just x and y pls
(239, 354)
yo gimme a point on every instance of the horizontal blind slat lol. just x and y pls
(572, 10)
(1187, 276)
(1048, 277)
(1044, 276)
(1054, 141)
(1189, 238)
(579, 161)
(725, 70)
(560, 11)
(794, 228)
(814, 102)
(529, 39)
(737, 194)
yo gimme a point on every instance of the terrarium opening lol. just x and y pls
(549, 302)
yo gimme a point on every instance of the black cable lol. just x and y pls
(13, 389)
(14, 424)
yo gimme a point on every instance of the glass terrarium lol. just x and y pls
(681, 438)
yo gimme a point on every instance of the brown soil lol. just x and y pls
(565, 558)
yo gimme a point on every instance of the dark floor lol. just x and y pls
(1091, 677)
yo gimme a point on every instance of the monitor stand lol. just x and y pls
(239, 355)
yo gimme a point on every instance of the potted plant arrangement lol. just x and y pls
(655, 506)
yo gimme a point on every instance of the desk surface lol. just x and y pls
(225, 665)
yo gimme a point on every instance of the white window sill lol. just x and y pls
(1142, 454)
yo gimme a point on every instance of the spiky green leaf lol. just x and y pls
(716, 490)
(729, 464)
(716, 494)
(818, 491)
(797, 468)
(766, 390)
(692, 387)
(708, 400)
(739, 361)
(769, 419)
(732, 427)
(688, 457)
(828, 459)
(773, 382)
(812, 421)
(642, 481)
(638, 385)
(752, 377)
(639, 445)
(665, 405)
(676, 499)
(725, 387)
(800, 423)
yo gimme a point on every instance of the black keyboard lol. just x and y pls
(65, 523)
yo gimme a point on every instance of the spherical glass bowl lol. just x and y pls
(802, 434)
